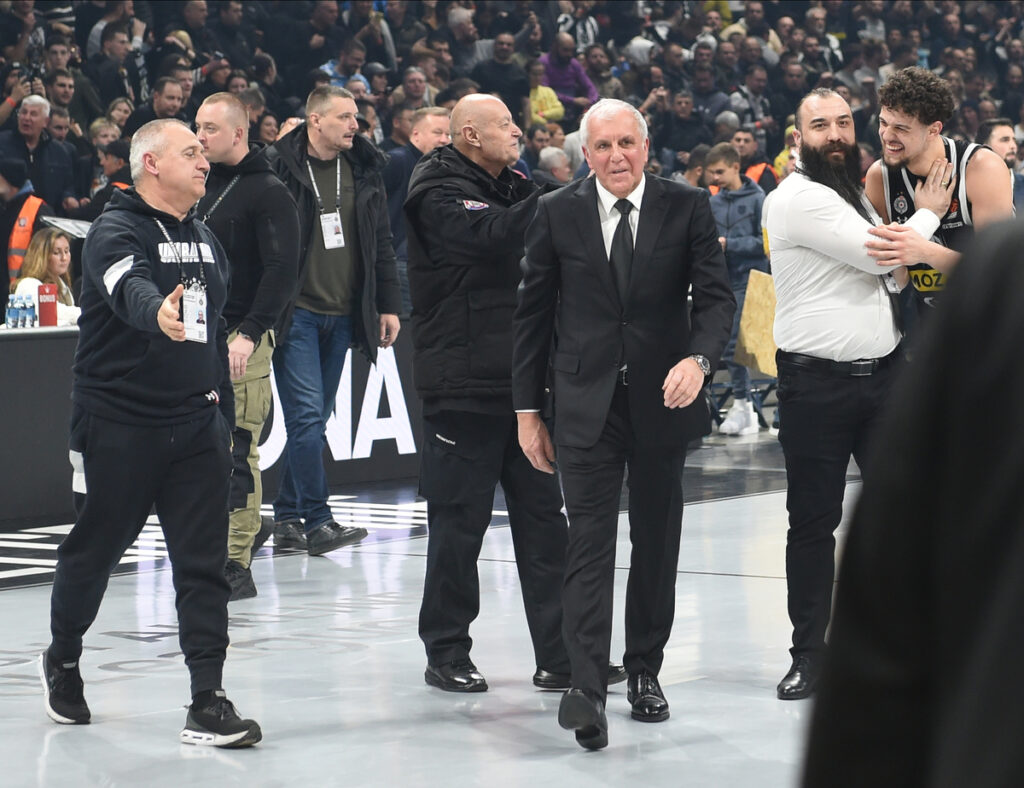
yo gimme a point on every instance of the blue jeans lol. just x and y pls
(740, 374)
(307, 368)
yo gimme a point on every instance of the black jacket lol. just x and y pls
(465, 233)
(126, 369)
(258, 225)
(51, 166)
(376, 276)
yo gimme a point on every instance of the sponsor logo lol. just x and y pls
(928, 280)
(443, 439)
(473, 205)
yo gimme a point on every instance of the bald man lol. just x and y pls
(466, 217)
(565, 75)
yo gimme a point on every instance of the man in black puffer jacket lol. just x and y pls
(466, 215)
(347, 294)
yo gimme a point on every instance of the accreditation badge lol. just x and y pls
(334, 237)
(193, 313)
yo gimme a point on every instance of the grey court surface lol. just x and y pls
(327, 659)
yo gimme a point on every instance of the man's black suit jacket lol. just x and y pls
(568, 292)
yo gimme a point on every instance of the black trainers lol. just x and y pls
(331, 536)
(62, 689)
(289, 533)
(266, 529)
(217, 724)
(240, 579)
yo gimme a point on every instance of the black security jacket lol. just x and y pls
(465, 232)
(258, 225)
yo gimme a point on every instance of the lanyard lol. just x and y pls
(316, 191)
(177, 256)
(222, 195)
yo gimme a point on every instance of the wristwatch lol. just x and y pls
(703, 363)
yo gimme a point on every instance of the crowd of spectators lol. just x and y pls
(77, 76)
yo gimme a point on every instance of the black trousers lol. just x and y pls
(592, 480)
(183, 470)
(465, 455)
(825, 418)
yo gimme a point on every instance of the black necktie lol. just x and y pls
(621, 257)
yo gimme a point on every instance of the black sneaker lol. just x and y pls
(289, 533)
(240, 579)
(217, 724)
(330, 536)
(62, 688)
(266, 529)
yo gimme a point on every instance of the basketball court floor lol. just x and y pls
(327, 659)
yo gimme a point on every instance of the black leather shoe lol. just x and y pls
(646, 697)
(458, 676)
(289, 533)
(584, 713)
(801, 681)
(547, 680)
(331, 536)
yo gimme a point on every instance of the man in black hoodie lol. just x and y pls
(347, 294)
(467, 214)
(150, 426)
(254, 217)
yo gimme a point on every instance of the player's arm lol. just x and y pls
(874, 188)
(986, 172)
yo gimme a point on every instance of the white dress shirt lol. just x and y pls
(831, 301)
(609, 217)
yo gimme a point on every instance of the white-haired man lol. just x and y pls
(609, 261)
(151, 419)
(50, 164)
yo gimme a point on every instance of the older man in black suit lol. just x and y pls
(609, 262)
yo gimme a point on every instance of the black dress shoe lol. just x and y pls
(330, 536)
(547, 680)
(458, 676)
(646, 697)
(801, 681)
(584, 712)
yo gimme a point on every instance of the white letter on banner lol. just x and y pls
(339, 423)
(384, 375)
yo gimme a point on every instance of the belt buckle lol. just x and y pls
(862, 368)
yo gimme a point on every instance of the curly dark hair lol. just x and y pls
(920, 93)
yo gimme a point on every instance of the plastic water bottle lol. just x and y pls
(10, 317)
(29, 311)
(22, 313)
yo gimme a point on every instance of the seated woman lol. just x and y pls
(47, 261)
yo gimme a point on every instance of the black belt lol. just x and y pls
(849, 369)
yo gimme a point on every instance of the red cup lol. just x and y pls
(47, 305)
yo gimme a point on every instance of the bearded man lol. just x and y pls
(838, 335)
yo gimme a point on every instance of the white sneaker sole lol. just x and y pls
(244, 738)
(53, 715)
